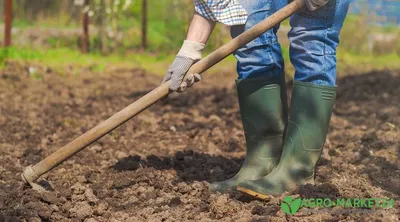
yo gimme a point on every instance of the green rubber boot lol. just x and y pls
(263, 108)
(310, 114)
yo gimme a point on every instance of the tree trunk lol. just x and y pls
(85, 26)
(103, 27)
(7, 22)
(144, 24)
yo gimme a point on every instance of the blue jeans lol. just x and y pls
(313, 38)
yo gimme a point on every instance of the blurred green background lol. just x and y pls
(48, 33)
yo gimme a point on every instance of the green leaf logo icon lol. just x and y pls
(290, 206)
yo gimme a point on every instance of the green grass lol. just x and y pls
(19, 23)
(59, 58)
(62, 57)
(368, 62)
(17, 54)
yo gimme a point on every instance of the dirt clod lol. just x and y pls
(90, 196)
(258, 210)
(50, 198)
(174, 202)
(101, 208)
(81, 210)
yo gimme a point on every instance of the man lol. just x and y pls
(274, 163)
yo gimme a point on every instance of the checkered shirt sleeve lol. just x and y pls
(228, 12)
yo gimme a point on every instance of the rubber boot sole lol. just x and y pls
(309, 180)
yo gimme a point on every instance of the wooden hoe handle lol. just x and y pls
(32, 173)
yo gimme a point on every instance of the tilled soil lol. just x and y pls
(158, 166)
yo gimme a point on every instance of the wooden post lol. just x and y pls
(144, 24)
(7, 22)
(85, 26)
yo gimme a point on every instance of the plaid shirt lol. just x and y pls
(228, 12)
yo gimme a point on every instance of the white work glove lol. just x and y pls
(188, 55)
(313, 5)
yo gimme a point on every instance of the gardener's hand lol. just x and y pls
(313, 5)
(189, 54)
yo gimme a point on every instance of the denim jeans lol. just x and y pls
(313, 38)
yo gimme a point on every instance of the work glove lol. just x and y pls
(188, 55)
(313, 5)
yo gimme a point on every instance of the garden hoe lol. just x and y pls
(32, 173)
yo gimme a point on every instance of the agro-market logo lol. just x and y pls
(291, 205)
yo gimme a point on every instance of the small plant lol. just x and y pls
(14, 53)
